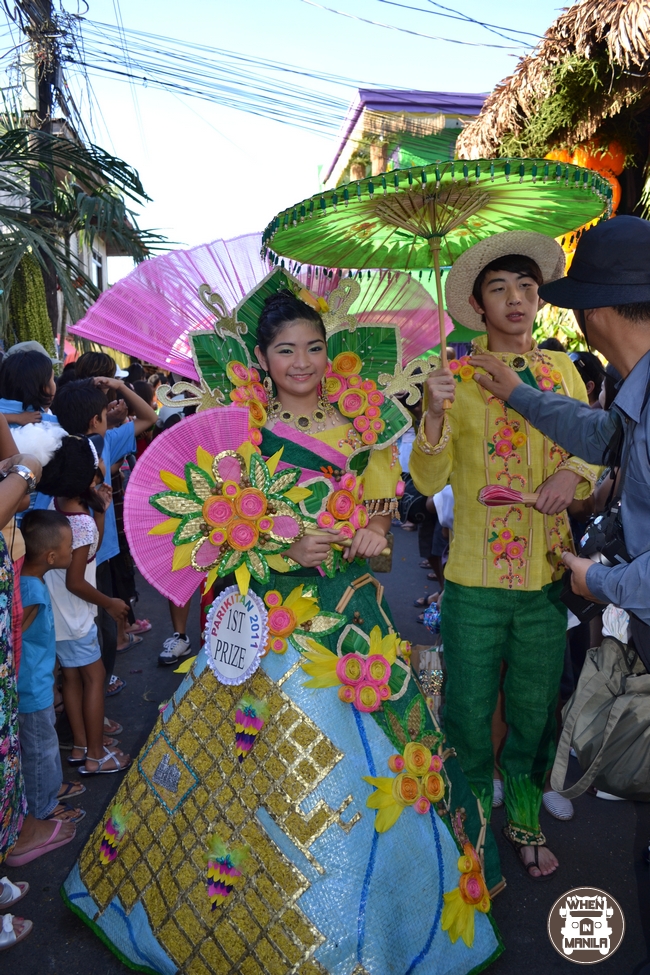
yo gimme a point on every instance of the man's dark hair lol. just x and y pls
(145, 391)
(634, 313)
(24, 376)
(515, 263)
(552, 345)
(77, 403)
(42, 532)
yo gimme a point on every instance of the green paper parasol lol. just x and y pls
(421, 218)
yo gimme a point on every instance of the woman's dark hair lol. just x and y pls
(280, 309)
(92, 364)
(68, 375)
(71, 472)
(590, 368)
(552, 345)
(76, 405)
(24, 376)
(145, 391)
(515, 264)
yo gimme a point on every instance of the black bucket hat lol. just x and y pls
(611, 266)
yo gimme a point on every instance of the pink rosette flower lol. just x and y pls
(506, 433)
(369, 437)
(377, 669)
(254, 374)
(376, 398)
(400, 488)
(384, 692)
(259, 393)
(422, 805)
(454, 365)
(218, 537)
(367, 698)
(273, 598)
(369, 385)
(514, 550)
(325, 520)
(346, 694)
(503, 448)
(464, 360)
(265, 524)
(378, 426)
(352, 402)
(345, 528)
(354, 381)
(237, 373)
(361, 489)
(242, 535)
(350, 669)
(281, 621)
(349, 481)
(334, 387)
(544, 370)
(436, 763)
(359, 517)
(251, 504)
(497, 548)
(396, 763)
(230, 489)
(373, 412)
(361, 423)
(545, 384)
(255, 436)
(218, 511)
(506, 535)
(240, 395)
(278, 645)
(341, 505)
(328, 371)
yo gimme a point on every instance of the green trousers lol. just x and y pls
(481, 628)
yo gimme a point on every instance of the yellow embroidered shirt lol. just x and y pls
(484, 441)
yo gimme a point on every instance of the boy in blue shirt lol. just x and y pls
(48, 545)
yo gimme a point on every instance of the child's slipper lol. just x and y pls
(11, 893)
(64, 814)
(8, 936)
(115, 685)
(112, 727)
(20, 859)
(69, 790)
(131, 641)
(141, 626)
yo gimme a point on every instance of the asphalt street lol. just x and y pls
(601, 847)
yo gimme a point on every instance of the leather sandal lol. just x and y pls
(517, 847)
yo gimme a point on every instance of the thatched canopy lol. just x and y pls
(589, 75)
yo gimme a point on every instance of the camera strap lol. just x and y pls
(618, 451)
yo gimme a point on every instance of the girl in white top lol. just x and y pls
(74, 477)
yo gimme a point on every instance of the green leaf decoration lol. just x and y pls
(284, 507)
(432, 741)
(320, 489)
(397, 731)
(414, 718)
(201, 482)
(301, 639)
(284, 480)
(398, 675)
(231, 562)
(329, 565)
(272, 547)
(175, 504)
(189, 530)
(212, 354)
(249, 310)
(325, 623)
(359, 462)
(258, 567)
(259, 474)
(352, 641)
(375, 346)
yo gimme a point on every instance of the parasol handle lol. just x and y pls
(345, 543)
(434, 244)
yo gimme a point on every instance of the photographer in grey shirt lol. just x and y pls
(608, 287)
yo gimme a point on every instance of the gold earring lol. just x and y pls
(267, 382)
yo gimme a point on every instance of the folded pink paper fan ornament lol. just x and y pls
(151, 312)
(496, 496)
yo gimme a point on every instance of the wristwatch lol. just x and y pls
(27, 475)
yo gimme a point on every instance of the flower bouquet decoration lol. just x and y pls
(297, 617)
(418, 783)
(470, 896)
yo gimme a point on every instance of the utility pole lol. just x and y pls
(41, 28)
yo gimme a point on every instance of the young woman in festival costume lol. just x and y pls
(272, 826)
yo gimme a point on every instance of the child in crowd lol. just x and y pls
(27, 388)
(48, 544)
(81, 408)
(74, 479)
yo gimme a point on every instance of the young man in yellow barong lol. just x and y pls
(501, 604)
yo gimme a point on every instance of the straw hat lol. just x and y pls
(545, 251)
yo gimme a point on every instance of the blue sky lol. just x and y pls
(214, 172)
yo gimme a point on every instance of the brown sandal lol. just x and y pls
(518, 847)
